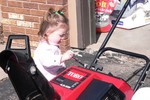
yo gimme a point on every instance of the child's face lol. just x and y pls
(56, 36)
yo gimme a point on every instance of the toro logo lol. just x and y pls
(74, 75)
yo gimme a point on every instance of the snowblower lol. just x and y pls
(74, 83)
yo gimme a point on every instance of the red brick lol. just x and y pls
(34, 38)
(6, 34)
(58, 7)
(30, 5)
(45, 7)
(16, 29)
(35, 31)
(14, 4)
(32, 31)
(24, 0)
(3, 2)
(22, 11)
(36, 25)
(33, 11)
(37, 13)
(6, 28)
(7, 9)
(39, 1)
(31, 18)
(4, 15)
(57, 2)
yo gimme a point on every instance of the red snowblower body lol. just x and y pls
(74, 83)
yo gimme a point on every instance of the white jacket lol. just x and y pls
(47, 59)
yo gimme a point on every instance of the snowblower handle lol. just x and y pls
(26, 46)
(109, 34)
(82, 64)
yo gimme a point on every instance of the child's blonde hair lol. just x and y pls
(52, 21)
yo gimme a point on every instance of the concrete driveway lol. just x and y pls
(136, 40)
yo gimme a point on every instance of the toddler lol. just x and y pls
(47, 56)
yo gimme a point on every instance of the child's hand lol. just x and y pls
(67, 55)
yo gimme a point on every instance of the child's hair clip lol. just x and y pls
(59, 12)
(56, 12)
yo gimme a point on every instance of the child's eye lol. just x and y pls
(62, 35)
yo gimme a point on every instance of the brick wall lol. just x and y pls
(24, 17)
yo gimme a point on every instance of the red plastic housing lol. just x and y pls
(83, 77)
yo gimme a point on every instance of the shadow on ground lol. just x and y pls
(7, 91)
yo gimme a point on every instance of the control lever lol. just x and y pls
(77, 60)
(97, 68)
